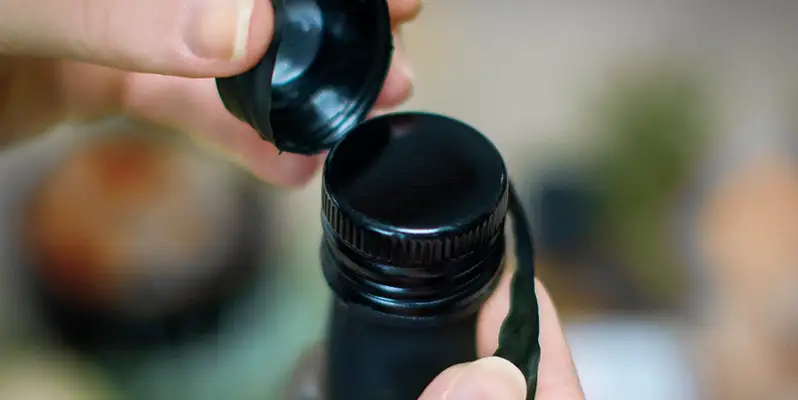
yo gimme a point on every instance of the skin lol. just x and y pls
(494, 378)
(154, 60)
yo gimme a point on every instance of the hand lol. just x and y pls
(493, 378)
(83, 59)
(490, 378)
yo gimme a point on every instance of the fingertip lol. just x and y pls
(442, 383)
(228, 37)
(284, 170)
(258, 39)
(398, 86)
(404, 10)
(502, 372)
(487, 378)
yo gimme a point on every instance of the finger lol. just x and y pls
(488, 378)
(403, 10)
(193, 106)
(557, 378)
(196, 38)
(398, 86)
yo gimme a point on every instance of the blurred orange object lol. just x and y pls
(87, 214)
(749, 239)
(137, 227)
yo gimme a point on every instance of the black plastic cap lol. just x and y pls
(320, 77)
(415, 188)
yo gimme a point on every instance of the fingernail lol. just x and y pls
(487, 379)
(219, 29)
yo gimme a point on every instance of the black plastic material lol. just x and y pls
(518, 337)
(320, 77)
(414, 208)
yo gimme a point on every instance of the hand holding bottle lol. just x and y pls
(493, 378)
(82, 59)
(490, 378)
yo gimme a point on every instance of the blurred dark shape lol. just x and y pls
(582, 277)
(135, 241)
(565, 216)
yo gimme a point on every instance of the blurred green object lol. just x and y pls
(655, 125)
(34, 372)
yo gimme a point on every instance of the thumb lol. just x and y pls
(486, 379)
(193, 38)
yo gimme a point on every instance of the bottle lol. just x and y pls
(414, 206)
(413, 245)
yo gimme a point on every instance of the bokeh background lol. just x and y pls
(654, 144)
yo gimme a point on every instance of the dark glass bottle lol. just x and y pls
(414, 208)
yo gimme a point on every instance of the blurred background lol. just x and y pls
(654, 143)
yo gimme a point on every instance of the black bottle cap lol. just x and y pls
(415, 188)
(320, 77)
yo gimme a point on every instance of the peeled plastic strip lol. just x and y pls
(518, 338)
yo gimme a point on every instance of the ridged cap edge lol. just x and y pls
(417, 249)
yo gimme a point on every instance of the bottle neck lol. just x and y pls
(456, 287)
